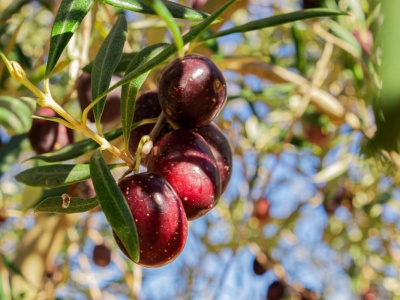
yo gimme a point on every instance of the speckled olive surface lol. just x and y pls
(221, 150)
(159, 217)
(192, 91)
(185, 160)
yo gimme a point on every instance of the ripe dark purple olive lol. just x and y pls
(46, 136)
(159, 216)
(192, 91)
(101, 255)
(276, 291)
(112, 108)
(185, 160)
(221, 150)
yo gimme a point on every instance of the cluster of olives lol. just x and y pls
(188, 168)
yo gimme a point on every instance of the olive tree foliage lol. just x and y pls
(312, 207)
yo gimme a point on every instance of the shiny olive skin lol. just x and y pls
(221, 150)
(185, 160)
(192, 91)
(159, 217)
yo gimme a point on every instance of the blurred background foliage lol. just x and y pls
(312, 209)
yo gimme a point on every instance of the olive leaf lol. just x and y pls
(159, 7)
(114, 205)
(51, 176)
(104, 64)
(126, 58)
(277, 20)
(176, 10)
(66, 205)
(69, 16)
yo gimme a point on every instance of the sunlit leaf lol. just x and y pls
(176, 10)
(159, 7)
(277, 20)
(129, 91)
(69, 16)
(114, 205)
(66, 205)
(56, 175)
(105, 63)
(126, 58)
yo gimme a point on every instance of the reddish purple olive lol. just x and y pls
(101, 255)
(276, 291)
(46, 136)
(192, 91)
(221, 150)
(185, 160)
(112, 108)
(159, 217)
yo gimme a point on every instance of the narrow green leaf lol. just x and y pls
(126, 58)
(277, 20)
(79, 148)
(106, 61)
(56, 175)
(114, 205)
(66, 205)
(40, 194)
(69, 16)
(159, 7)
(301, 45)
(129, 91)
(176, 10)
(15, 114)
(171, 49)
